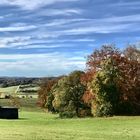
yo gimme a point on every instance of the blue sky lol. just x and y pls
(53, 37)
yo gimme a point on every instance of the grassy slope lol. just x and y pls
(25, 104)
(9, 89)
(12, 89)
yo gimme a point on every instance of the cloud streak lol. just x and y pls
(32, 63)
(17, 28)
(57, 35)
(32, 4)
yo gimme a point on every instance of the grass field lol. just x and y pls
(8, 90)
(26, 91)
(34, 124)
(43, 126)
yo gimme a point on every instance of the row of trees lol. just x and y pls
(110, 86)
(15, 81)
(64, 95)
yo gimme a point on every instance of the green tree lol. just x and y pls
(104, 87)
(68, 95)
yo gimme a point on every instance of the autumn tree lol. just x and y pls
(45, 97)
(129, 83)
(127, 73)
(94, 61)
(110, 85)
(132, 53)
(97, 64)
(104, 88)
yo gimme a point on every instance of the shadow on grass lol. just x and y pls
(23, 119)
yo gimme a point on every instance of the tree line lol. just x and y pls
(110, 85)
(15, 81)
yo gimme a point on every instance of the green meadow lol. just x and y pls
(36, 124)
(21, 91)
(8, 90)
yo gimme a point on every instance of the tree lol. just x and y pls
(132, 53)
(45, 97)
(94, 61)
(129, 83)
(68, 95)
(98, 64)
(127, 66)
(104, 88)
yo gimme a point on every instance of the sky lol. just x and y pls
(53, 37)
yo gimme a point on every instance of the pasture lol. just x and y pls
(21, 91)
(44, 126)
(8, 91)
(35, 124)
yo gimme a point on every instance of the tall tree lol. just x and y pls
(44, 93)
(104, 88)
(128, 65)
(68, 95)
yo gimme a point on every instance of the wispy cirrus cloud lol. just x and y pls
(6, 41)
(104, 29)
(59, 12)
(24, 42)
(17, 28)
(38, 34)
(30, 64)
(31, 4)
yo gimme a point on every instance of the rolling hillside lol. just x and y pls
(21, 91)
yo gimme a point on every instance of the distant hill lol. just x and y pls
(14, 81)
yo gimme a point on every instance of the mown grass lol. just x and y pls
(44, 126)
(34, 124)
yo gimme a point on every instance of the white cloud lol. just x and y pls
(30, 64)
(1, 17)
(56, 12)
(118, 19)
(59, 22)
(8, 41)
(62, 27)
(31, 4)
(17, 28)
(104, 29)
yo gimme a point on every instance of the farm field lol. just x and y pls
(8, 90)
(11, 89)
(34, 124)
(21, 91)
